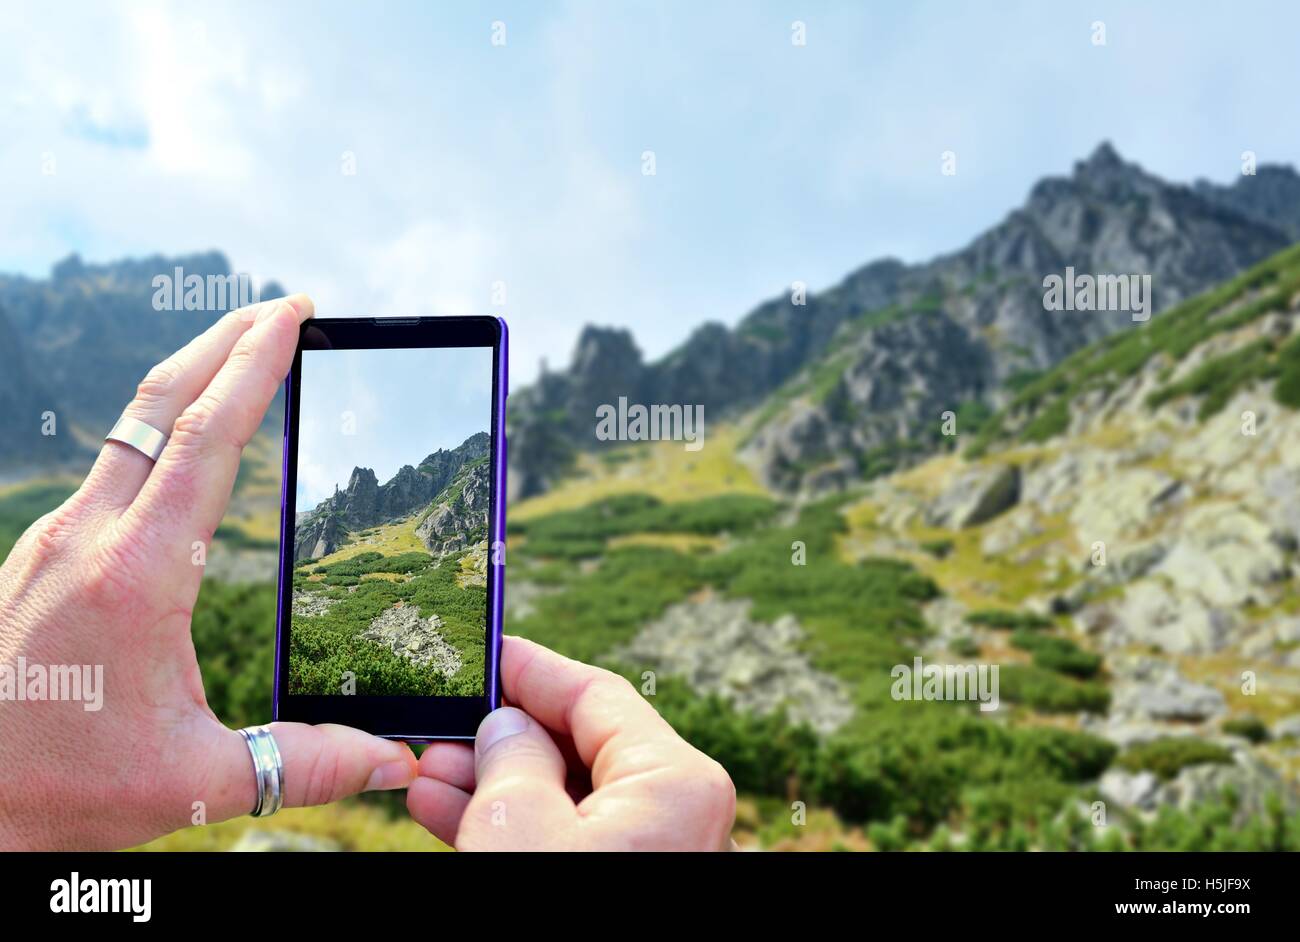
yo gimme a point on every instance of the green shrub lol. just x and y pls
(1166, 757)
(1001, 618)
(1248, 727)
(1049, 423)
(581, 534)
(234, 639)
(1058, 654)
(1218, 379)
(939, 549)
(1050, 692)
(1287, 388)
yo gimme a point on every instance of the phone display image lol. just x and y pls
(391, 530)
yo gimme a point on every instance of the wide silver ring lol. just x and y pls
(268, 767)
(141, 436)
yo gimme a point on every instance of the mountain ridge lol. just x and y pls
(982, 305)
(365, 503)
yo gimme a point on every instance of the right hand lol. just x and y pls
(583, 763)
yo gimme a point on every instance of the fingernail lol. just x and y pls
(388, 776)
(500, 724)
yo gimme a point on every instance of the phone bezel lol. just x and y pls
(413, 719)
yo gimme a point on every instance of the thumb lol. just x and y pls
(519, 802)
(321, 764)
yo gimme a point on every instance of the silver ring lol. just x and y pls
(141, 436)
(268, 767)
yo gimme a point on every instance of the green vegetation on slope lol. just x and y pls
(577, 534)
(1040, 409)
(325, 647)
(924, 761)
(22, 506)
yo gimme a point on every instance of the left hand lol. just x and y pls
(110, 579)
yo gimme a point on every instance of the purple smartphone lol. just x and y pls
(392, 526)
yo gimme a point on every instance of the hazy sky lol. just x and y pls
(183, 127)
(381, 409)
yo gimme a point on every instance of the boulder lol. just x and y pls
(406, 634)
(716, 647)
(977, 496)
(1130, 790)
(257, 841)
(1148, 689)
(1286, 728)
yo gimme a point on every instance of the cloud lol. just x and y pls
(177, 129)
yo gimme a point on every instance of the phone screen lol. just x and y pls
(390, 548)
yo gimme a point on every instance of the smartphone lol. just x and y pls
(392, 526)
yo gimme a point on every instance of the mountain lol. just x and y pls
(457, 518)
(854, 381)
(29, 410)
(1120, 539)
(1155, 515)
(452, 485)
(1272, 194)
(91, 332)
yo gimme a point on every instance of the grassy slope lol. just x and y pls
(1040, 409)
(385, 567)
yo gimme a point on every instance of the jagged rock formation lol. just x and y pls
(91, 332)
(862, 372)
(438, 479)
(1157, 523)
(458, 516)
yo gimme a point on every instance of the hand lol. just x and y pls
(584, 764)
(109, 579)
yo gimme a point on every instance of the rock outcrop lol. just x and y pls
(866, 369)
(406, 634)
(366, 503)
(719, 650)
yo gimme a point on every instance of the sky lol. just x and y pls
(381, 409)
(186, 127)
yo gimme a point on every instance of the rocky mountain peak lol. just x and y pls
(606, 352)
(366, 503)
(1104, 171)
(361, 479)
(983, 302)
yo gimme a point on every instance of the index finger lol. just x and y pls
(191, 483)
(592, 705)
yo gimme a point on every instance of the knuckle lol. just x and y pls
(192, 426)
(516, 788)
(323, 781)
(718, 793)
(51, 536)
(159, 383)
(111, 567)
(199, 428)
(106, 579)
(609, 682)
